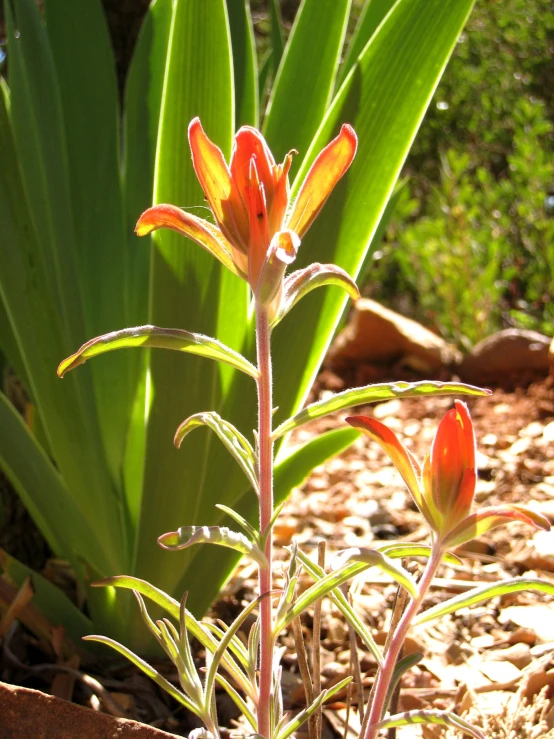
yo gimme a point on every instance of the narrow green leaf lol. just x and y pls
(187, 536)
(375, 558)
(148, 670)
(302, 282)
(224, 643)
(340, 600)
(162, 338)
(304, 715)
(250, 530)
(237, 444)
(276, 34)
(371, 558)
(486, 592)
(372, 15)
(306, 76)
(400, 550)
(35, 264)
(238, 701)
(374, 394)
(171, 606)
(444, 718)
(186, 281)
(402, 666)
(244, 63)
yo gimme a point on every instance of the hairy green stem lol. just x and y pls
(386, 671)
(265, 473)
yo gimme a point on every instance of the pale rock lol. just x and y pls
(506, 352)
(377, 334)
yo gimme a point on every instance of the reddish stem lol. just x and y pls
(265, 473)
(387, 669)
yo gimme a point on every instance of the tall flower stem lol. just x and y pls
(265, 472)
(386, 672)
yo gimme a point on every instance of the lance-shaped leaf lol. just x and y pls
(486, 519)
(340, 600)
(400, 550)
(351, 562)
(374, 394)
(483, 593)
(282, 732)
(237, 444)
(163, 338)
(402, 666)
(238, 701)
(146, 668)
(186, 536)
(171, 606)
(250, 530)
(445, 718)
(224, 643)
(303, 281)
(374, 558)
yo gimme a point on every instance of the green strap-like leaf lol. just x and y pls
(162, 338)
(276, 34)
(372, 15)
(244, 63)
(237, 444)
(486, 592)
(374, 394)
(187, 536)
(444, 718)
(306, 76)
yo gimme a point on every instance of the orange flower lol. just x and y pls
(444, 488)
(258, 231)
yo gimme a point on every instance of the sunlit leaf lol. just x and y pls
(187, 536)
(444, 718)
(162, 338)
(146, 669)
(374, 394)
(237, 444)
(351, 568)
(483, 593)
(340, 600)
(302, 282)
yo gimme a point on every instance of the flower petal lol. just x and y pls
(489, 518)
(197, 229)
(329, 166)
(402, 459)
(452, 454)
(215, 178)
(250, 144)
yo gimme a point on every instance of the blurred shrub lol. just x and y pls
(471, 247)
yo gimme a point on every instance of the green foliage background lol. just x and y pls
(471, 246)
